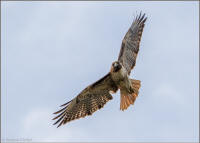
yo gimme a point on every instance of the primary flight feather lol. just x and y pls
(96, 95)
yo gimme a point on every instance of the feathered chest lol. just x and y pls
(120, 75)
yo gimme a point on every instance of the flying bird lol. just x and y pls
(96, 95)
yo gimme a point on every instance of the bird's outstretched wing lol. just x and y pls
(88, 101)
(131, 42)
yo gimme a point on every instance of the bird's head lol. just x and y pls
(116, 66)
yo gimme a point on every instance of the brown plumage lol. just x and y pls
(127, 99)
(96, 95)
(88, 101)
(131, 42)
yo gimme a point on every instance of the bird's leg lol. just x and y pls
(130, 87)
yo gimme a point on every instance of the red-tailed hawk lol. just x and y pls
(96, 95)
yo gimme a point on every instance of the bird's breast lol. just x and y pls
(119, 76)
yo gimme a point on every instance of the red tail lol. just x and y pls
(126, 98)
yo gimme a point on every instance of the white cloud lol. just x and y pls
(38, 126)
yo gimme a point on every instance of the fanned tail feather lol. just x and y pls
(128, 99)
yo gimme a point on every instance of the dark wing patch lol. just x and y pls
(87, 102)
(131, 42)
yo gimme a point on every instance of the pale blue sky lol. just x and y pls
(52, 50)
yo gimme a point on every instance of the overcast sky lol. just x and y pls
(53, 50)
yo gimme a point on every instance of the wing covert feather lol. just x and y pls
(88, 101)
(131, 42)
